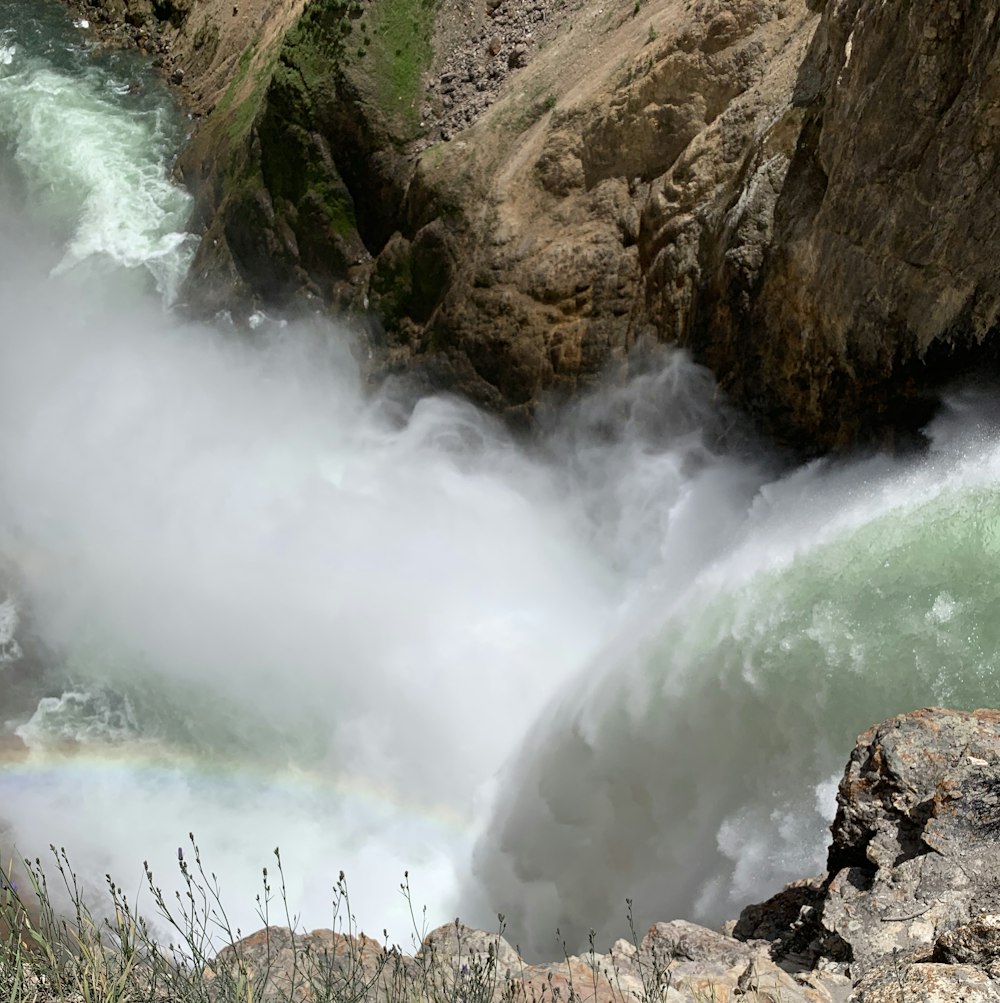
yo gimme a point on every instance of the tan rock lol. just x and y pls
(928, 983)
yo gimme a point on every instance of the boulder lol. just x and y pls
(974, 943)
(915, 851)
(910, 904)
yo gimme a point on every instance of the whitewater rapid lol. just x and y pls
(243, 595)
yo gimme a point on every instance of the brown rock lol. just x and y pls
(518, 56)
(927, 983)
(974, 943)
(875, 281)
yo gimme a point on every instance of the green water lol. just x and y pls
(89, 137)
(695, 768)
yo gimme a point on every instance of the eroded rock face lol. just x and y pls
(516, 193)
(803, 193)
(876, 281)
(583, 227)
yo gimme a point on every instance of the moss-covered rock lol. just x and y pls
(300, 168)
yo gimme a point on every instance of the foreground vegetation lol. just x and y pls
(57, 947)
(113, 954)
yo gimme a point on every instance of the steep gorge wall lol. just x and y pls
(878, 281)
(801, 193)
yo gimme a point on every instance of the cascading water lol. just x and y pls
(247, 598)
(698, 764)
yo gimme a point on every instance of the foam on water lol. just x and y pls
(686, 771)
(90, 148)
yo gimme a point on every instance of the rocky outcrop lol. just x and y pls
(915, 851)
(910, 902)
(674, 963)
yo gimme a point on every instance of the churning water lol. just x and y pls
(243, 596)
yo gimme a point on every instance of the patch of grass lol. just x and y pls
(50, 954)
(398, 54)
(242, 102)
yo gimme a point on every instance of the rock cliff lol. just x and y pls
(875, 284)
(513, 192)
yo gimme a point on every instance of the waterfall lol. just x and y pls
(243, 595)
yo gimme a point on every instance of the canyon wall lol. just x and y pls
(509, 195)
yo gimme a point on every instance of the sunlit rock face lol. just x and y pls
(875, 281)
(802, 193)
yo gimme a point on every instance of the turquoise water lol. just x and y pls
(88, 136)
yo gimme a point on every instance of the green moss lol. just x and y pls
(385, 47)
(399, 54)
(314, 47)
(239, 107)
(304, 138)
(339, 210)
(392, 282)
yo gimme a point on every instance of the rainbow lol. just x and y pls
(158, 764)
(115, 805)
